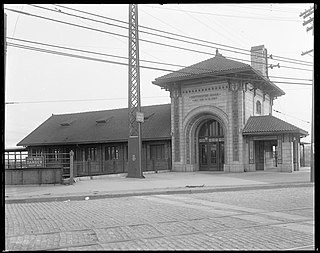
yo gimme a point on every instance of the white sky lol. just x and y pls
(34, 76)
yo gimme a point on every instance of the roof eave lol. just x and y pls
(301, 132)
(91, 142)
(279, 92)
(162, 81)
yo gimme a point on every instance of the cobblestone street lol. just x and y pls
(268, 219)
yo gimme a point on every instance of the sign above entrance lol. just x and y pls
(204, 97)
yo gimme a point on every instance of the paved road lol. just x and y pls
(268, 219)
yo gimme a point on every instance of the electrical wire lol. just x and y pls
(73, 100)
(291, 116)
(224, 15)
(126, 64)
(155, 30)
(126, 58)
(179, 35)
(158, 43)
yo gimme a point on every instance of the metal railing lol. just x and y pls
(21, 159)
(15, 158)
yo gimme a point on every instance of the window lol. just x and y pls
(157, 152)
(35, 152)
(211, 128)
(112, 153)
(91, 153)
(53, 154)
(258, 107)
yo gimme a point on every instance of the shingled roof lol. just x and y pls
(268, 124)
(100, 127)
(217, 65)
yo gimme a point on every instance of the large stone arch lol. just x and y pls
(191, 124)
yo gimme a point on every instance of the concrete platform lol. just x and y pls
(156, 183)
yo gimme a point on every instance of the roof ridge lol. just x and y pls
(115, 109)
(193, 66)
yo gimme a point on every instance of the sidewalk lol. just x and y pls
(156, 183)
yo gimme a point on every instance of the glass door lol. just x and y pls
(203, 155)
(211, 156)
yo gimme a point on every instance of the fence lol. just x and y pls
(24, 168)
(15, 158)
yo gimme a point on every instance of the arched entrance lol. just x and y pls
(211, 146)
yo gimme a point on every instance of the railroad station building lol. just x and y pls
(220, 119)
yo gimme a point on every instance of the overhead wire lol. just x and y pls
(262, 9)
(170, 33)
(73, 100)
(112, 33)
(225, 15)
(126, 58)
(291, 116)
(126, 64)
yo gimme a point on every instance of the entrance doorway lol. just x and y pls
(211, 146)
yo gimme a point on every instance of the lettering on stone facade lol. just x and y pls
(204, 97)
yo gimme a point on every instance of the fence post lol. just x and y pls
(71, 166)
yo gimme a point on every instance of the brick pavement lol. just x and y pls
(211, 221)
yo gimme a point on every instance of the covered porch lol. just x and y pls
(272, 144)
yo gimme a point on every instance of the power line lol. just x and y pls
(158, 43)
(291, 116)
(126, 58)
(73, 100)
(166, 37)
(179, 35)
(15, 26)
(126, 64)
(273, 9)
(224, 15)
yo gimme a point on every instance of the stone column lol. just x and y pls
(287, 155)
(175, 94)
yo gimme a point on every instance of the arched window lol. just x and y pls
(211, 128)
(258, 107)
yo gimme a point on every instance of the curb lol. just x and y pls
(165, 191)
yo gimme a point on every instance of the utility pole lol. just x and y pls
(5, 44)
(134, 104)
(306, 14)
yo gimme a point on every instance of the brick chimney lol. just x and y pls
(259, 59)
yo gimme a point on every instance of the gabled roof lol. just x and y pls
(100, 127)
(217, 65)
(268, 124)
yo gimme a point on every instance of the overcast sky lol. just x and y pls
(39, 83)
